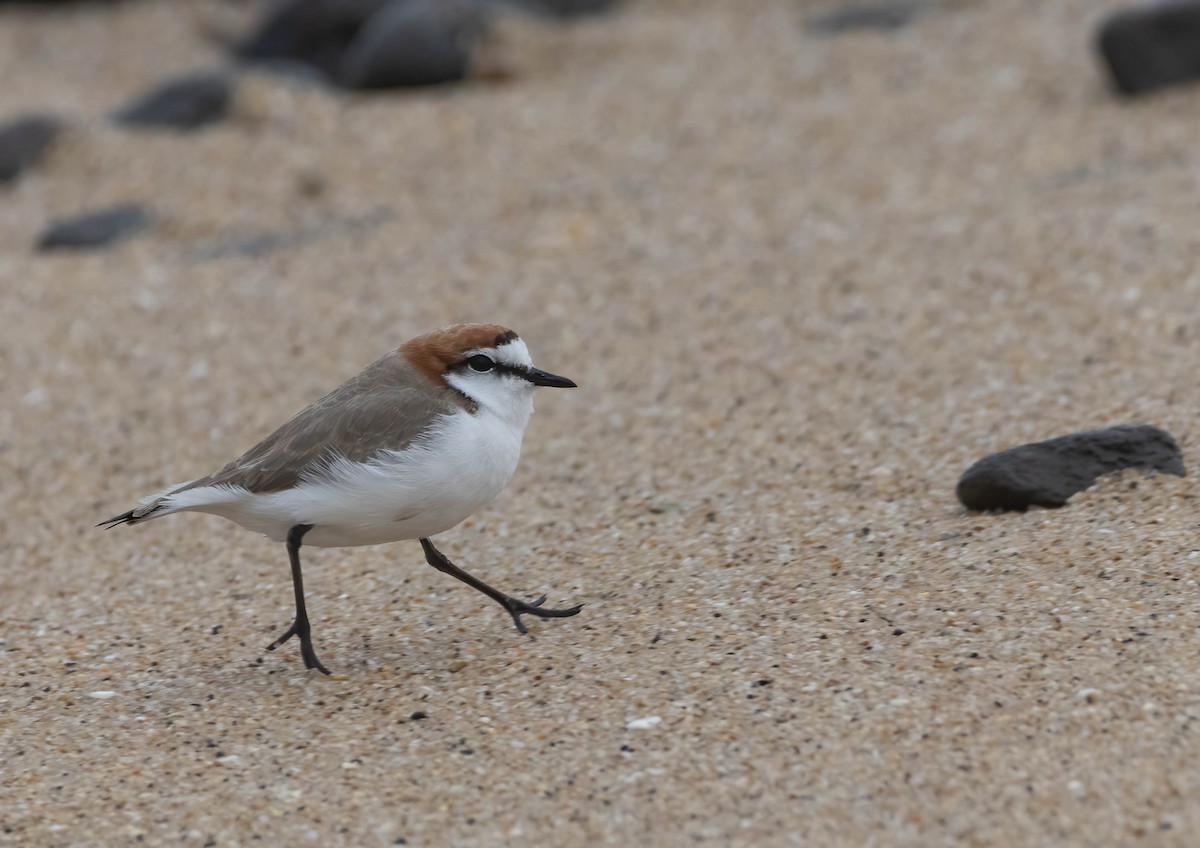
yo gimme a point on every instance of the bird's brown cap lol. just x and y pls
(434, 352)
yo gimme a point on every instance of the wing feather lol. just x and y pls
(385, 407)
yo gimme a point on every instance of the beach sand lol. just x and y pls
(802, 283)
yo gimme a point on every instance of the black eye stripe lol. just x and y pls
(481, 363)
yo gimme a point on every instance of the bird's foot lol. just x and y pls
(306, 647)
(516, 608)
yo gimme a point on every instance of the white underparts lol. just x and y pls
(461, 463)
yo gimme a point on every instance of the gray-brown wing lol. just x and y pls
(385, 407)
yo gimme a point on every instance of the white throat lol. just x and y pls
(497, 393)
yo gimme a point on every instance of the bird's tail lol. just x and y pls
(151, 507)
(131, 517)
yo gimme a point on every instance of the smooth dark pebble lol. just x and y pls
(867, 16)
(311, 32)
(1048, 473)
(95, 229)
(23, 143)
(184, 103)
(1152, 46)
(566, 8)
(413, 43)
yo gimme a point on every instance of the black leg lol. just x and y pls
(516, 608)
(300, 625)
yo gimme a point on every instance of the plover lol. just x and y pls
(407, 449)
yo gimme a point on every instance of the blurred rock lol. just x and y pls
(23, 143)
(312, 32)
(1049, 473)
(95, 229)
(1151, 47)
(366, 44)
(868, 16)
(413, 42)
(566, 8)
(184, 103)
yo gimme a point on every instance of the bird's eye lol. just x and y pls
(481, 363)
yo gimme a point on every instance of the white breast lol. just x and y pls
(459, 466)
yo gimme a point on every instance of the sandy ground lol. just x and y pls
(802, 283)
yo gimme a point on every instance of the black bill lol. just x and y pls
(543, 378)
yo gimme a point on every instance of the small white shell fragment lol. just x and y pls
(644, 723)
(102, 695)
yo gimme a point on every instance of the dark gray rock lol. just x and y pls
(23, 143)
(1153, 46)
(565, 9)
(1049, 473)
(96, 229)
(867, 16)
(184, 103)
(413, 43)
(312, 32)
